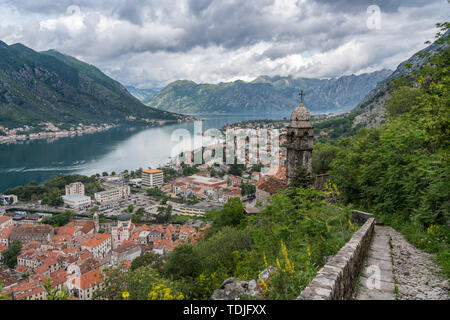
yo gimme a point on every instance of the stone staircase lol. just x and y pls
(377, 278)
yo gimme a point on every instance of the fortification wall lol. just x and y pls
(335, 281)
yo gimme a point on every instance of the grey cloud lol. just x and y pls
(157, 41)
(387, 6)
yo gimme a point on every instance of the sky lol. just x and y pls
(150, 43)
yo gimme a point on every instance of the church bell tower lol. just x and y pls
(299, 141)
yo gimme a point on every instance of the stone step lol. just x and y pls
(371, 284)
(366, 294)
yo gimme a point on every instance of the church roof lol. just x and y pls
(301, 113)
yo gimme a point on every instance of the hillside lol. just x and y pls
(266, 94)
(50, 86)
(371, 111)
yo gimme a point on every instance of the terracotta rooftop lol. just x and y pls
(4, 218)
(96, 240)
(152, 171)
(272, 185)
(90, 278)
(5, 233)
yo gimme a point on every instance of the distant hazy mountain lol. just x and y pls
(266, 94)
(141, 94)
(50, 86)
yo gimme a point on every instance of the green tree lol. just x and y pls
(183, 262)
(302, 179)
(164, 214)
(236, 169)
(147, 259)
(403, 99)
(10, 255)
(247, 188)
(60, 219)
(232, 214)
(135, 284)
(53, 293)
(323, 155)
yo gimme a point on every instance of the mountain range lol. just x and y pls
(141, 94)
(50, 86)
(266, 94)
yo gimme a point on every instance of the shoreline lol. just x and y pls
(53, 133)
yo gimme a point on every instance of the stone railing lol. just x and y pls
(335, 281)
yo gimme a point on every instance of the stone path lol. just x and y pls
(395, 269)
(417, 276)
(377, 280)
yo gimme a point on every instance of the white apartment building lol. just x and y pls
(76, 201)
(152, 178)
(112, 194)
(75, 188)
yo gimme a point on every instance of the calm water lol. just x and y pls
(115, 150)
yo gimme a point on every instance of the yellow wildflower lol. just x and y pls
(265, 261)
(278, 265)
(266, 287)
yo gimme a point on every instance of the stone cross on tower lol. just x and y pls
(299, 141)
(301, 94)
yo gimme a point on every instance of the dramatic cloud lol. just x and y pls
(150, 43)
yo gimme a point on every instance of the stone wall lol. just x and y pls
(336, 279)
(360, 217)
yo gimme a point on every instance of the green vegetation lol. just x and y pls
(73, 92)
(59, 220)
(3, 296)
(337, 127)
(169, 174)
(147, 259)
(137, 216)
(322, 156)
(164, 214)
(51, 191)
(188, 170)
(231, 214)
(294, 233)
(53, 293)
(10, 255)
(302, 179)
(236, 169)
(247, 188)
(155, 192)
(142, 283)
(400, 170)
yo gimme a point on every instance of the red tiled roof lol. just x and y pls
(96, 240)
(5, 233)
(272, 185)
(4, 219)
(89, 279)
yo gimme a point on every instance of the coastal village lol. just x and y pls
(123, 221)
(52, 132)
(47, 131)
